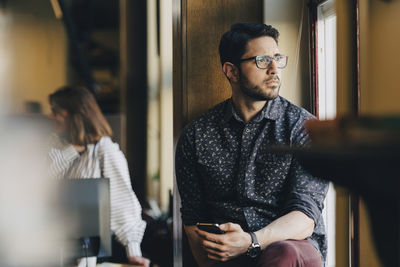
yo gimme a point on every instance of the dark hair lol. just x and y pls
(233, 43)
(85, 122)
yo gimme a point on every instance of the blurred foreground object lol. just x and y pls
(362, 154)
(355, 132)
(29, 228)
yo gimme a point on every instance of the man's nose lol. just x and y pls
(272, 69)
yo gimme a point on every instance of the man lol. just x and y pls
(268, 206)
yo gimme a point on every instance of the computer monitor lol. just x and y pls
(86, 206)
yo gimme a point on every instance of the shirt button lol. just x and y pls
(247, 130)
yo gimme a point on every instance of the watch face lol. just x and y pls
(254, 251)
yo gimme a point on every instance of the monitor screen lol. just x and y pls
(86, 207)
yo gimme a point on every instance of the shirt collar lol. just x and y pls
(272, 111)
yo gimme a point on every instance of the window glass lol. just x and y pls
(326, 61)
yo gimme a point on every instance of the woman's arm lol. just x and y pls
(126, 212)
(60, 157)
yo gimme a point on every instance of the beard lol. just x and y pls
(260, 93)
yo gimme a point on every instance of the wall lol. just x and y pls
(291, 18)
(379, 65)
(33, 53)
(379, 91)
(206, 84)
(380, 58)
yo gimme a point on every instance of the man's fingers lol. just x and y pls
(230, 227)
(217, 257)
(214, 246)
(218, 252)
(212, 251)
(209, 236)
(214, 256)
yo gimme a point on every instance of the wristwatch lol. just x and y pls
(255, 249)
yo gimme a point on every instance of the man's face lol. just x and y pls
(260, 84)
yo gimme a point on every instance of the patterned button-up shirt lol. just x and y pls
(226, 173)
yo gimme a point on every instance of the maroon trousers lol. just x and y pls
(288, 253)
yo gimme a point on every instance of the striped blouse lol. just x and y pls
(126, 219)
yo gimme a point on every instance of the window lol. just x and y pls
(326, 45)
(326, 100)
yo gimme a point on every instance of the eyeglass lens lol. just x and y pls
(264, 62)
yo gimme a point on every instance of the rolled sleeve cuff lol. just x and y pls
(67, 150)
(303, 203)
(70, 153)
(133, 249)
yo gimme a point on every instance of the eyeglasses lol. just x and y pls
(264, 62)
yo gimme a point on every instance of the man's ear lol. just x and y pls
(231, 72)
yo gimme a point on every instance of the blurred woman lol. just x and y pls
(82, 148)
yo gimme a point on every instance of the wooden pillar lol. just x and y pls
(134, 89)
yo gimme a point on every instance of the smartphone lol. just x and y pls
(210, 227)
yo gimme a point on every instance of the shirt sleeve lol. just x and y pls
(188, 181)
(306, 192)
(133, 249)
(126, 212)
(61, 156)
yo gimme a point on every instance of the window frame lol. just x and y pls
(354, 199)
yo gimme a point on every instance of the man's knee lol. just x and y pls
(280, 253)
(287, 253)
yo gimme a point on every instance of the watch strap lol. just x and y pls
(253, 238)
(254, 249)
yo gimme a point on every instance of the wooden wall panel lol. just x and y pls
(206, 21)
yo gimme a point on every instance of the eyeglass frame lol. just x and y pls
(271, 58)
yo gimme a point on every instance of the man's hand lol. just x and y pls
(224, 247)
(139, 261)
